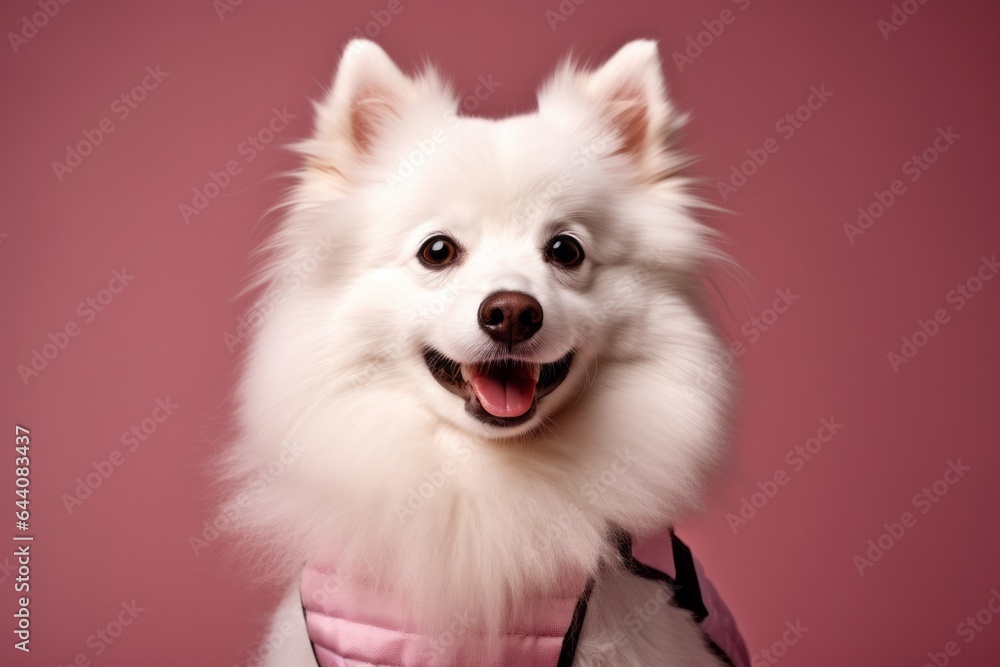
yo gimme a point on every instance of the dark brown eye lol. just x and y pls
(564, 250)
(438, 251)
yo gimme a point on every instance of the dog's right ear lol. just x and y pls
(369, 93)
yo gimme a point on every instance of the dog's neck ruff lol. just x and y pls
(353, 625)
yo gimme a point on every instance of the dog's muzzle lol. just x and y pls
(499, 393)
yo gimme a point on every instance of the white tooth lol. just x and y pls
(536, 371)
(465, 371)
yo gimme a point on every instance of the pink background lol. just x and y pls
(161, 337)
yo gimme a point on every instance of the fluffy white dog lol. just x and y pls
(494, 372)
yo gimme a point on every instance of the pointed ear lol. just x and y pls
(629, 96)
(369, 92)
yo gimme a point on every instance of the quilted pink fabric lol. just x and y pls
(352, 625)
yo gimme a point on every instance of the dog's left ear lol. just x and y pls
(628, 95)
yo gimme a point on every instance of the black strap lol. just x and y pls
(687, 591)
(572, 638)
(685, 587)
(623, 541)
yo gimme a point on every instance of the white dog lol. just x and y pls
(491, 371)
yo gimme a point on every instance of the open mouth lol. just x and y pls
(498, 393)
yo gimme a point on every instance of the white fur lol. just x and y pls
(336, 368)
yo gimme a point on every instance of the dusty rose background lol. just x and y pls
(162, 337)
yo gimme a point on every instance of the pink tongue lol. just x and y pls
(504, 391)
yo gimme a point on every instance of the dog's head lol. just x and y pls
(445, 282)
(489, 267)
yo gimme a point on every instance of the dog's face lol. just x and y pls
(507, 245)
(486, 267)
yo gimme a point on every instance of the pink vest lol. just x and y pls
(351, 625)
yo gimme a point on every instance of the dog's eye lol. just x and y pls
(438, 251)
(564, 250)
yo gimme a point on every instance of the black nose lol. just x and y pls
(510, 317)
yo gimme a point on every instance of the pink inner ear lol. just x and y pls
(628, 114)
(371, 108)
